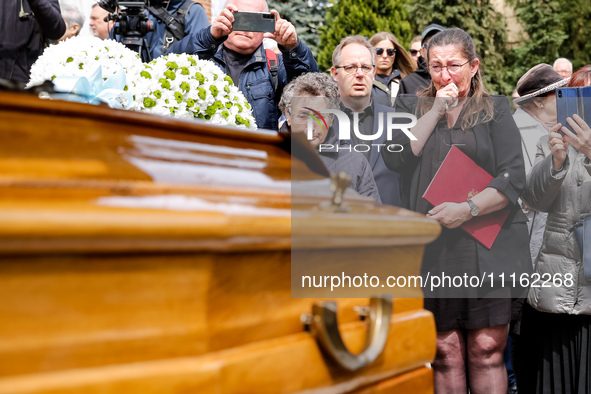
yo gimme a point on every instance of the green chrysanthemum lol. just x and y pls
(228, 79)
(190, 103)
(146, 74)
(70, 60)
(170, 75)
(178, 97)
(185, 86)
(172, 65)
(214, 90)
(227, 89)
(157, 94)
(202, 93)
(149, 103)
(225, 114)
(192, 61)
(185, 71)
(229, 105)
(199, 77)
(211, 110)
(164, 83)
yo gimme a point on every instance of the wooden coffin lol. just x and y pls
(142, 254)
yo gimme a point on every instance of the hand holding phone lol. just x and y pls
(222, 24)
(285, 33)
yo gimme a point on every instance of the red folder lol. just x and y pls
(458, 180)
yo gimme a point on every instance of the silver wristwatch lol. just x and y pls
(474, 210)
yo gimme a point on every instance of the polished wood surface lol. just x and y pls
(145, 254)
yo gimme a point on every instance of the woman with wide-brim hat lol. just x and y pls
(535, 117)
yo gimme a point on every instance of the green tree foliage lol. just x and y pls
(543, 38)
(553, 28)
(306, 15)
(577, 25)
(486, 27)
(363, 17)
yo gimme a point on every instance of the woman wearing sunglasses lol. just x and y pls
(392, 64)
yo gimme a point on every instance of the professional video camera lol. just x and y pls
(133, 23)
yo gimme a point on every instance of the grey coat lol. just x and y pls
(566, 196)
(354, 164)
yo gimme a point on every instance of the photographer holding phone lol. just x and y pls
(241, 55)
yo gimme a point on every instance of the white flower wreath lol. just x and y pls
(78, 56)
(182, 86)
(187, 87)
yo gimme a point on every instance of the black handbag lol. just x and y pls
(582, 230)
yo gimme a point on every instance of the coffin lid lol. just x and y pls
(77, 177)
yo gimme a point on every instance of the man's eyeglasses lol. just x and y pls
(414, 52)
(452, 68)
(351, 69)
(390, 51)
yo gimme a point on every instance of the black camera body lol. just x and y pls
(132, 23)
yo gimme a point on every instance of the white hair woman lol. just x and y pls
(305, 97)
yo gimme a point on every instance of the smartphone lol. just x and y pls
(566, 105)
(585, 106)
(261, 22)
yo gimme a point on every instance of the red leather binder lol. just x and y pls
(459, 179)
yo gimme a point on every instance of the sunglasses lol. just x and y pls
(390, 51)
(414, 52)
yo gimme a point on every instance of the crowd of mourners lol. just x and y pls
(537, 340)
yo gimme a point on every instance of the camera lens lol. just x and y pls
(560, 94)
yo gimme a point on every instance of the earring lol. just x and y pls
(541, 105)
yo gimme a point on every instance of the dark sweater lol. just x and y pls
(418, 80)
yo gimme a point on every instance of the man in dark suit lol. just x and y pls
(354, 70)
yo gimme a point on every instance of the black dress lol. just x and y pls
(495, 145)
(454, 253)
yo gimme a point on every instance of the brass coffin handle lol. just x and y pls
(326, 330)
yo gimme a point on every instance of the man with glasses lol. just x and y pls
(354, 70)
(415, 48)
(421, 78)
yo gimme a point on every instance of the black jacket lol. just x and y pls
(22, 39)
(382, 97)
(418, 80)
(388, 181)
